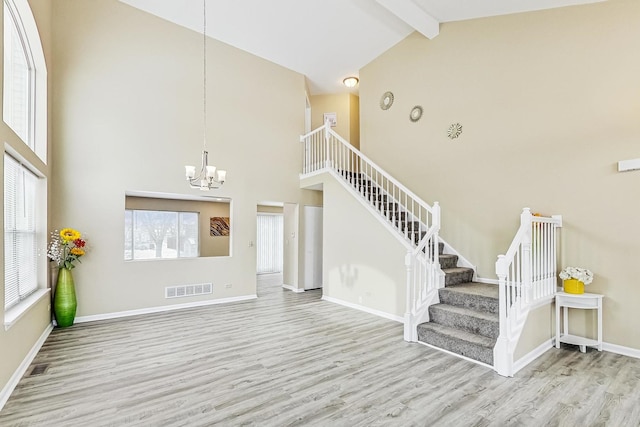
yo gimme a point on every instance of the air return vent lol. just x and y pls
(188, 290)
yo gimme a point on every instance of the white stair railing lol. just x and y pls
(527, 276)
(415, 223)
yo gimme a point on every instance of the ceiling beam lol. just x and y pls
(413, 15)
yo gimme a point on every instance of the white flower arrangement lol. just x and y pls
(582, 274)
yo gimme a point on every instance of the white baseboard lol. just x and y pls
(532, 355)
(118, 314)
(19, 373)
(477, 362)
(488, 281)
(365, 309)
(618, 349)
(292, 289)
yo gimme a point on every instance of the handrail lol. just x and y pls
(527, 275)
(382, 171)
(415, 221)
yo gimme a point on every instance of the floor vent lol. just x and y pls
(38, 369)
(188, 290)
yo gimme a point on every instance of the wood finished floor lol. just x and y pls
(290, 359)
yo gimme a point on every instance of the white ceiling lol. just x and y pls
(328, 40)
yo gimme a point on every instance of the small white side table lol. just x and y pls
(582, 301)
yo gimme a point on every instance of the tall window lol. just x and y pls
(20, 243)
(25, 78)
(269, 243)
(160, 234)
(18, 80)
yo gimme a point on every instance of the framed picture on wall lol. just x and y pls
(219, 226)
(332, 118)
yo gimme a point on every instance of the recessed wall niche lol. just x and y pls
(170, 226)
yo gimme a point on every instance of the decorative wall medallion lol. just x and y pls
(415, 114)
(386, 101)
(454, 130)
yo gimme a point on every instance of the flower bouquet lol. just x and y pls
(575, 278)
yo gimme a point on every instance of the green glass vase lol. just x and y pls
(64, 301)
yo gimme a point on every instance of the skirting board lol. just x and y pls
(105, 316)
(477, 362)
(532, 355)
(19, 373)
(365, 309)
(618, 349)
(292, 289)
(488, 281)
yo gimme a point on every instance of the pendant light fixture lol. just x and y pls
(208, 177)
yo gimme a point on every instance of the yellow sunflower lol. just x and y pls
(69, 234)
(77, 252)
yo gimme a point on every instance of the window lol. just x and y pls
(160, 234)
(20, 243)
(25, 76)
(269, 243)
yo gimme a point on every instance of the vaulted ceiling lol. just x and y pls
(328, 40)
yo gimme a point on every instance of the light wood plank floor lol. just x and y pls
(291, 359)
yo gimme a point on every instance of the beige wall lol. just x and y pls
(363, 263)
(346, 107)
(128, 115)
(209, 245)
(16, 342)
(549, 102)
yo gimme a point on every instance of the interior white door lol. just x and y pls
(312, 247)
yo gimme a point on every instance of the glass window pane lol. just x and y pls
(128, 235)
(188, 235)
(154, 234)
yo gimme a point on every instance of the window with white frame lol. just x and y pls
(160, 234)
(24, 82)
(20, 239)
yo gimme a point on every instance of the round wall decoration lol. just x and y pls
(454, 130)
(415, 114)
(386, 101)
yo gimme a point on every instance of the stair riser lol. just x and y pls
(455, 345)
(458, 277)
(450, 261)
(468, 323)
(474, 302)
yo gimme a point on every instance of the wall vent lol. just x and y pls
(188, 290)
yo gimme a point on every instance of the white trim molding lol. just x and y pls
(22, 369)
(533, 355)
(160, 309)
(618, 349)
(292, 289)
(363, 308)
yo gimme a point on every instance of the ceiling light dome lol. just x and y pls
(350, 81)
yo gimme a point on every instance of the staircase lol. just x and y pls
(478, 321)
(466, 320)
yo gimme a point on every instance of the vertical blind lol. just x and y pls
(20, 245)
(269, 243)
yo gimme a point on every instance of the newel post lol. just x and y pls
(409, 329)
(502, 360)
(327, 136)
(527, 287)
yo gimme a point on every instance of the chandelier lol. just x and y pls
(208, 177)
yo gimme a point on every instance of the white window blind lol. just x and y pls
(269, 243)
(20, 244)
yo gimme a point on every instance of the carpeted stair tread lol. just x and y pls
(476, 296)
(474, 321)
(477, 347)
